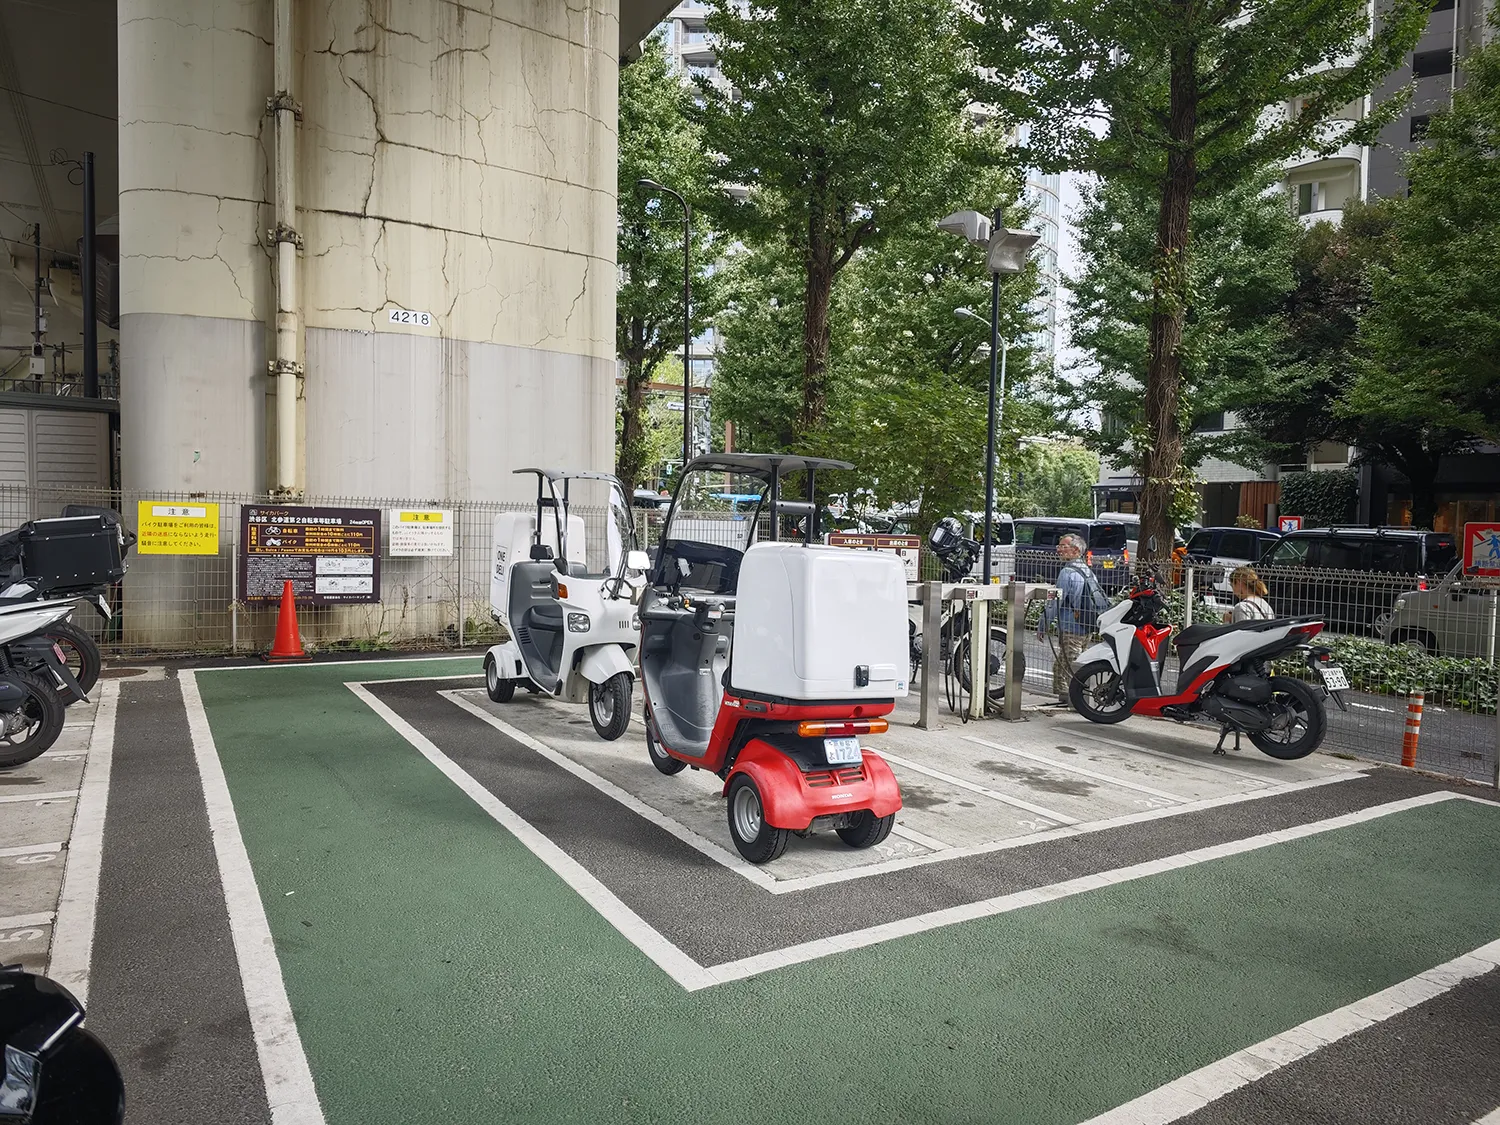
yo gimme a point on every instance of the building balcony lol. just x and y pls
(699, 54)
(1332, 215)
(1307, 163)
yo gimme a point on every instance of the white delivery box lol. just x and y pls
(820, 623)
(511, 542)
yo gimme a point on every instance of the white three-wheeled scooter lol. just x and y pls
(570, 618)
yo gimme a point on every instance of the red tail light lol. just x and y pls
(1311, 629)
(1089, 557)
(1421, 584)
(812, 727)
(1127, 555)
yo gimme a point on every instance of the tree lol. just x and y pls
(660, 142)
(1310, 398)
(1239, 276)
(845, 122)
(1052, 479)
(1432, 333)
(1184, 100)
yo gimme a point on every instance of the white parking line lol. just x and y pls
(26, 921)
(756, 875)
(1180, 759)
(22, 798)
(31, 849)
(283, 1064)
(73, 937)
(1208, 1084)
(931, 842)
(960, 783)
(1080, 770)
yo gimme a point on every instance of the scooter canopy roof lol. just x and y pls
(778, 463)
(566, 474)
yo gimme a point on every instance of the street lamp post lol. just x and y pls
(687, 318)
(1007, 250)
(997, 402)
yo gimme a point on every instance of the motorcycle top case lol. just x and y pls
(74, 553)
(816, 623)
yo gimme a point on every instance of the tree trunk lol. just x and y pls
(815, 334)
(631, 456)
(1421, 469)
(1162, 457)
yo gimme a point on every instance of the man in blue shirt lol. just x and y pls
(1073, 608)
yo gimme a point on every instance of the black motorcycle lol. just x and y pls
(956, 555)
(55, 1072)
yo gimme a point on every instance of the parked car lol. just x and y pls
(1132, 522)
(1451, 618)
(1351, 576)
(652, 501)
(1036, 549)
(1224, 548)
(1002, 551)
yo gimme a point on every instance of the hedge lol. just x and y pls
(1321, 498)
(1381, 669)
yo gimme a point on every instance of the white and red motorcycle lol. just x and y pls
(1224, 676)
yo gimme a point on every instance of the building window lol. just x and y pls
(1432, 64)
(1419, 123)
(1210, 423)
(1307, 198)
(1443, 6)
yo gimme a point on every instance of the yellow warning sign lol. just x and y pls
(177, 529)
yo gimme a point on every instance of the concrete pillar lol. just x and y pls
(454, 159)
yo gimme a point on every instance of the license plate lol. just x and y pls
(1333, 677)
(841, 751)
(1109, 564)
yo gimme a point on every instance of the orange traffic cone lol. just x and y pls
(288, 644)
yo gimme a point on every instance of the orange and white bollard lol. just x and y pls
(1413, 729)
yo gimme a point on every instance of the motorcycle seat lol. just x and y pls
(1197, 634)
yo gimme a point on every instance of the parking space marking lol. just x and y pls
(940, 851)
(757, 875)
(278, 1045)
(668, 957)
(22, 798)
(1080, 770)
(1017, 900)
(31, 849)
(1489, 1119)
(960, 783)
(72, 950)
(18, 921)
(242, 667)
(1208, 1084)
(1182, 759)
(693, 976)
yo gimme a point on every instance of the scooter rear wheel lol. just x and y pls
(1096, 693)
(80, 653)
(497, 689)
(867, 829)
(756, 840)
(609, 706)
(37, 725)
(1302, 721)
(659, 757)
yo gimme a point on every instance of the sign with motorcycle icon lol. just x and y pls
(330, 555)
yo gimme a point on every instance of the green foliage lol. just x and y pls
(1381, 669)
(1246, 521)
(1240, 273)
(1433, 330)
(846, 124)
(1322, 499)
(1051, 479)
(660, 142)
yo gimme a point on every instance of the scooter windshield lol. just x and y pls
(713, 523)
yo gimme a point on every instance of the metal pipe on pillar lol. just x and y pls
(86, 276)
(285, 367)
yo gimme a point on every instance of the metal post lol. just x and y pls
(687, 333)
(989, 447)
(1015, 638)
(90, 314)
(36, 362)
(979, 656)
(458, 538)
(1187, 598)
(234, 589)
(932, 642)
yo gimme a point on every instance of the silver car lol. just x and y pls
(1451, 618)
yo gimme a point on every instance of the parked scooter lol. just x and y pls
(53, 1071)
(571, 629)
(1224, 676)
(774, 705)
(35, 683)
(73, 559)
(956, 553)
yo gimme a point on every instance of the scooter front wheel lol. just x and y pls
(609, 706)
(659, 757)
(756, 840)
(497, 689)
(1096, 693)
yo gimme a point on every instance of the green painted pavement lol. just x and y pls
(440, 972)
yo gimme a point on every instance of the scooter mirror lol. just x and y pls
(55, 1072)
(637, 560)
